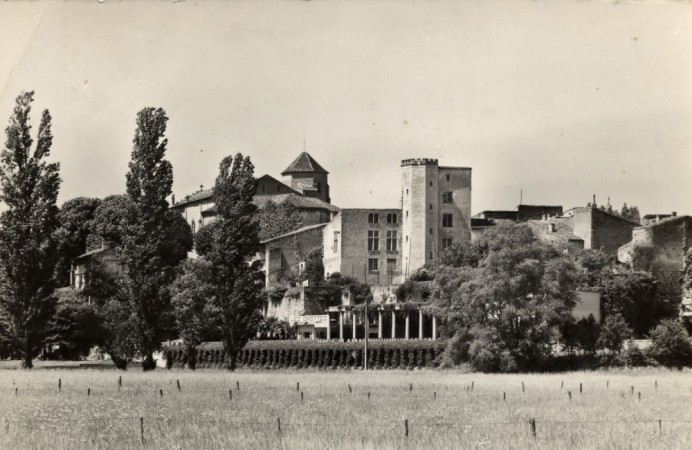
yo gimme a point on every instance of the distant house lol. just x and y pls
(108, 258)
(523, 213)
(598, 229)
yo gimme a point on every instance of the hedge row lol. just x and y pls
(315, 355)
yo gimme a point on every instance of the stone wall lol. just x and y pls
(282, 255)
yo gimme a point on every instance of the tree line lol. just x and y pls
(129, 313)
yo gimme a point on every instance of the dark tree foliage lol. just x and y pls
(148, 254)
(75, 219)
(633, 294)
(28, 251)
(203, 238)
(112, 221)
(503, 312)
(277, 219)
(581, 335)
(237, 281)
(314, 268)
(670, 345)
(76, 326)
(614, 333)
(630, 213)
(192, 291)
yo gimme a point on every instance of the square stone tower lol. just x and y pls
(436, 210)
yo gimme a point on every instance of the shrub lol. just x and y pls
(670, 344)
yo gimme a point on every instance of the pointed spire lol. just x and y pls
(304, 163)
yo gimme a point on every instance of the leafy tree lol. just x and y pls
(274, 328)
(277, 219)
(192, 291)
(76, 326)
(582, 334)
(670, 344)
(27, 238)
(314, 267)
(614, 333)
(505, 310)
(112, 221)
(237, 280)
(75, 218)
(146, 249)
(630, 213)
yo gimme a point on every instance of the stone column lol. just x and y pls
(393, 325)
(341, 325)
(353, 321)
(420, 324)
(329, 326)
(434, 333)
(407, 325)
(379, 324)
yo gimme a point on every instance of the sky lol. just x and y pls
(559, 100)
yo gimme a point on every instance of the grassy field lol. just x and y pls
(444, 409)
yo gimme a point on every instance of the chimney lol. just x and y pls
(674, 214)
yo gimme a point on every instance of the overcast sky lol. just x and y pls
(561, 99)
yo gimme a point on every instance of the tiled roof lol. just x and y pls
(298, 231)
(296, 200)
(197, 196)
(304, 163)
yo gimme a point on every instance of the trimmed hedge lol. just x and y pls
(323, 355)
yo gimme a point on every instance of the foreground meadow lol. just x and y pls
(216, 409)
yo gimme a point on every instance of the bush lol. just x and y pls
(670, 344)
(315, 354)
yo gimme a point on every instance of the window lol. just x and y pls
(447, 220)
(391, 265)
(431, 255)
(373, 265)
(319, 187)
(406, 238)
(192, 225)
(431, 184)
(373, 218)
(430, 231)
(406, 191)
(431, 206)
(335, 247)
(392, 218)
(406, 213)
(446, 243)
(391, 240)
(446, 197)
(447, 176)
(373, 240)
(264, 188)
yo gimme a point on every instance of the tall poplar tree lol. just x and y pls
(30, 188)
(236, 279)
(145, 249)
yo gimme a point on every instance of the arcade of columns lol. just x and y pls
(380, 334)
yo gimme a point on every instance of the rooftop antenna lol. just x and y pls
(521, 196)
(303, 137)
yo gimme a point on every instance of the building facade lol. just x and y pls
(436, 210)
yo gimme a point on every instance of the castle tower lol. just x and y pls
(436, 210)
(306, 176)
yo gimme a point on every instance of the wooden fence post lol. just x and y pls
(237, 385)
(59, 384)
(88, 392)
(298, 386)
(659, 427)
(178, 383)
(580, 388)
(406, 427)
(230, 394)
(522, 387)
(570, 394)
(301, 397)
(278, 424)
(141, 428)
(161, 392)
(504, 396)
(533, 427)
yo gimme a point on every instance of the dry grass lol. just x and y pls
(442, 410)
